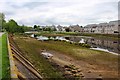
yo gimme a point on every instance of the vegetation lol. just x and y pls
(0, 57)
(114, 36)
(67, 30)
(37, 28)
(47, 33)
(1, 20)
(47, 28)
(11, 26)
(111, 36)
(32, 51)
(5, 58)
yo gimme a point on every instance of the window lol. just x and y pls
(116, 32)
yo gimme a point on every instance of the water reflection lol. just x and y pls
(43, 38)
(107, 44)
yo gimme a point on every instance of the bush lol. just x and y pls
(86, 45)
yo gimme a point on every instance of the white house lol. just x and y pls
(75, 28)
(103, 28)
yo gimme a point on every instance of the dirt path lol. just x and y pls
(85, 69)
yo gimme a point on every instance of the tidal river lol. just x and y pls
(103, 44)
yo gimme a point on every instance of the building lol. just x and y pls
(113, 27)
(90, 28)
(102, 28)
(60, 28)
(75, 28)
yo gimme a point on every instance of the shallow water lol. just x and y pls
(103, 44)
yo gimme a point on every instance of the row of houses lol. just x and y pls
(72, 28)
(101, 28)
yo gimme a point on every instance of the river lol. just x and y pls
(103, 44)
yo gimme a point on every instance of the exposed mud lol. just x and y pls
(79, 68)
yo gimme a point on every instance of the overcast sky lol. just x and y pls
(63, 12)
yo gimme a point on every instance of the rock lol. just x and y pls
(81, 73)
(89, 71)
(79, 70)
(76, 75)
(66, 66)
(100, 74)
(74, 71)
(68, 69)
(68, 72)
(82, 76)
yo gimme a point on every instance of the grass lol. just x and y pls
(32, 52)
(0, 57)
(31, 48)
(50, 33)
(111, 36)
(5, 58)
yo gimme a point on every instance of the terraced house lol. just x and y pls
(102, 28)
(75, 28)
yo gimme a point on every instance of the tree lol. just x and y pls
(67, 30)
(35, 26)
(12, 27)
(2, 21)
(54, 29)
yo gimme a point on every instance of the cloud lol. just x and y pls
(62, 12)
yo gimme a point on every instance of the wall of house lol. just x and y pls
(102, 28)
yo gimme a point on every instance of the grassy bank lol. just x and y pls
(112, 36)
(90, 34)
(0, 57)
(32, 52)
(5, 58)
(46, 33)
(31, 48)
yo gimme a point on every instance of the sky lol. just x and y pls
(60, 12)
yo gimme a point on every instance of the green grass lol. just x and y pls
(5, 58)
(111, 36)
(32, 47)
(31, 52)
(46, 33)
(0, 57)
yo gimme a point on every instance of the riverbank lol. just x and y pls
(32, 52)
(90, 34)
(103, 43)
(111, 36)
(102, 62)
